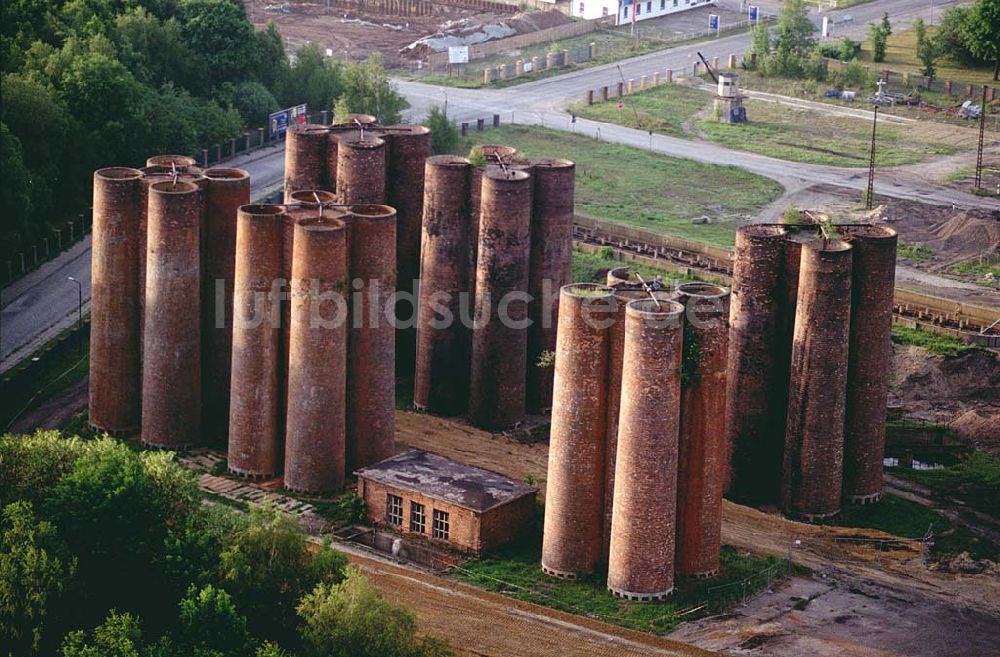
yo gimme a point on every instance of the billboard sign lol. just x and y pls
(458, 54)
(754, 11)
(280, 121)
(713, 22)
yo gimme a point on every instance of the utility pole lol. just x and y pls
(979, 154)
(870, 196)
(79, 314)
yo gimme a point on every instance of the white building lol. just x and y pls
(590, 9)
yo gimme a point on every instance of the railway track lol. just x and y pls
(971, 324)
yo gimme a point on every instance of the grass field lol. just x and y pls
(795, 134)
(514, 571)
(907, 519)
(901, 56)
(975, 481)
(940, 345)
(639, 188)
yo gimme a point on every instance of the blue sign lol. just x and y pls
(713, 21)
(279, 122)
(753, 13)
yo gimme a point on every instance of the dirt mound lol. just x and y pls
(966, 236)
(962, 392)
(470, 31)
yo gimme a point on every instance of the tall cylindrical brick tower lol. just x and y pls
(371, 340)
(754, 424)
(114, 334)
(225, 191)
(254, 433)
(574, 501)
(869, 359)
(616, 354)
(153, 174)
(441, 377)
(814, 438)
(551, 267)
(492, 154)
(305, 158)
(361, 164)
(315, 429)
(643, 525)
(171, 374)
(408, 147)
(499, 338)
(701, 463)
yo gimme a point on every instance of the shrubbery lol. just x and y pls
(109, 552)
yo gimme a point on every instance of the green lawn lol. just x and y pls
(515, 571)
(984, 272)
(940, 345)
(813, 137)
(636, 187)
(901, 517)
(975, 481)
(663, 109)
(901, 56)
(914, 252)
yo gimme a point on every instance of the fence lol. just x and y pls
(401, 548)
(914, 81)
(536, 65)
(439, 60)
(667, 37)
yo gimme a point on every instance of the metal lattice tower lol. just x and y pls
(870, 195)
(979, 153)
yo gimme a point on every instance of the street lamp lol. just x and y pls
(79, 314)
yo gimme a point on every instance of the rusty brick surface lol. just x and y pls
(873, 269)
(643, 525)
(814, 436)
(114, 395)
(753, 436)
(167, 160)
(441, 378)
(256, 395)
(551, 267)
(572, 540)
(305, 158)
(171, 376)
(225, 191)
(371, 401)
(491, 152)
(499, 349)
(152, 174)
(701, 464)
(407, 149)
(315, 438)
(361, 165)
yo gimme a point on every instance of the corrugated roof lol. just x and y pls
(435, 476)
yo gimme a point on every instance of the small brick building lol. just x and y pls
(472, 509)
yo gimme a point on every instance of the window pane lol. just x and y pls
(394, 509)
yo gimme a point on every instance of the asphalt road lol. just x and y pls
(39, 306)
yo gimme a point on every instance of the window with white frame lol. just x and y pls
(440, 525)
(604, 11)
(394, 509)
(418, 517)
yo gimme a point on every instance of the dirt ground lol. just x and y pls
(888, 602)
(962, 392)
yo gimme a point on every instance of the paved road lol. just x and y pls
(44, 303)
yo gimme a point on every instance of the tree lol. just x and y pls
(252, 100)
(15, 194)
(209, 623)
(351, 619)
(34, 569)
(795, 29)
(267, 568)
(119, 636)
(218, 30)
(928, 49)
(879, 36)
(951, 35)
(444, 135)
(760, 45)
(982, 32)
(368, 91)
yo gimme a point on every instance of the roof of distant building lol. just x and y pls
(441, 478)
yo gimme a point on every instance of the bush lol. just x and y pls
(444, 135)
